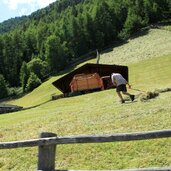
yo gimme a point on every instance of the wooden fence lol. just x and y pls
(48, 141)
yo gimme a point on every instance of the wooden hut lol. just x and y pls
(65, 84)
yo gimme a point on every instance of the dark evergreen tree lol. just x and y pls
(132, 24)
(42, 32)
(1, 56)
(3, 87)
(89, 31)
(10, 73)
(30, 45)
(55, 53)
(18, 48)
(24, 75)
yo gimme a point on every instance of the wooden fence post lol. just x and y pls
(46, 154)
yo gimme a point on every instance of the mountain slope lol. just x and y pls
(96, 113)
(12, 24)
(155, 43)
(38, 16)
(65, 31)
(150, 43)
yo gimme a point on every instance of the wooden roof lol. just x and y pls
(102, 69)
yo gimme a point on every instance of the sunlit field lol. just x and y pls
(149, 59)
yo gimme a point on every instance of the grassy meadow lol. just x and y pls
(99, 113)
(150, 44)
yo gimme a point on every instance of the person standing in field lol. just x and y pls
(119, 81)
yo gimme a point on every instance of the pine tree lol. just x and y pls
(24, 75)
(1, 57)
(3, 87)
(55, 53)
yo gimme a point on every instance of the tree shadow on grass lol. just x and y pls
(12, 110)
(31, 107)
(142, 32)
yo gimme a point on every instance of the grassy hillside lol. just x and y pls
(151, 43)
(97, 113)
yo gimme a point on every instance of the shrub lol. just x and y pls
(39, 67)
(15, 91)
(33, 82)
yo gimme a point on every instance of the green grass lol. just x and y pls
(168, 27)
(150, 44)
(151, 74)
(96, 113)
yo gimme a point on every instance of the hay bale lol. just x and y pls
(149, 95)
(164, 90)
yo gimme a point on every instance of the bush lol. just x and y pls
(33, 82)
(39, 67)
(15, 91)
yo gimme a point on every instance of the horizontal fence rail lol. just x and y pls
(48, 142)
(87, 139)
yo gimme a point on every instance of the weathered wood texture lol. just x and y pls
(46, 154)
(88, 139)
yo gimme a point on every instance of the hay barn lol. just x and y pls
(103, 70)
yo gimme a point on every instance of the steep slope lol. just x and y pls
(65, 30)
(12, 24)
(96, 113)
(151, 43)
(39, 15)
